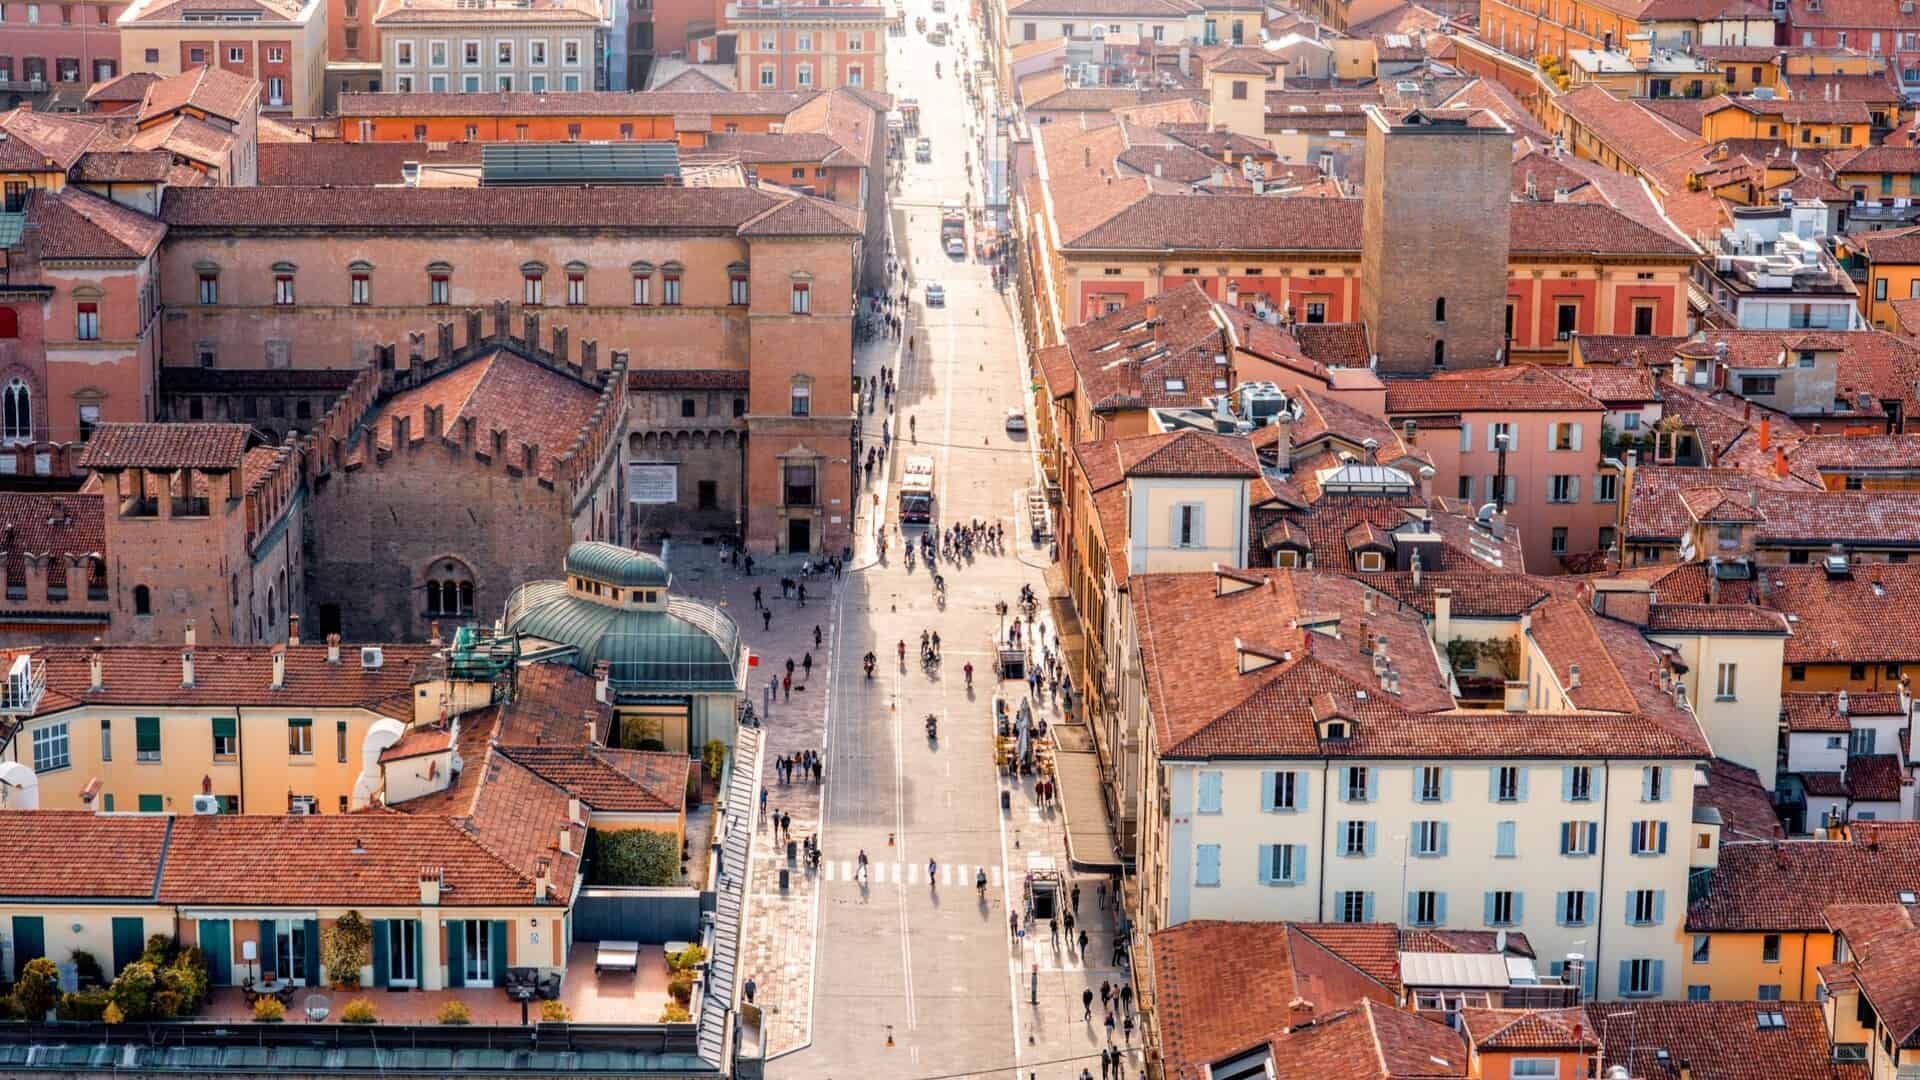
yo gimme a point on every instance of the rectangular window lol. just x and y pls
(1762, 385)
(300, 737)
(737, 293)
(1557, 542)
(226, 738)
(800, 485)
(1354, 906)
(1563, 488)
(1359, 787)
(403, 54)
(1649, 838)
(1206, 865)
(1283, 791)
(209, 288)
(362, 288)
(570, 52)
(670, 289)
(1566, 320)
(1427, 908)
(802, 296)
(1354, 836)
(1646, 907)
(1283, 864)
(50, 748)
(283, 289)
(1430, 838)
(1534, 1069)
(1431, 784)
(537, 53)
(1860, 742)
(1207, 792)
(1643, 320)
(1606, 487)
(1654, 783)
(503, 53)
(151, 804)
(1768, 992)
(1189, 529)
(1770, 949)
(1724, 686)
(1702, 948)
(1503, 907)
(576, 289)
(437, 290)
(340, 741)
(470, 53)
(641, 285)
(1506, 842)
(1576, 908)
(87, 321)
(1507, 783)
(1699, 992)
(801, 402)
(106, 739)
(146, 738)
(1640, 978)
(1579, 838)
(536, 290)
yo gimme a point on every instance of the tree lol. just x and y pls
(345, 948)
(636, 857)
(714, 756)
(38, 989)
(135, 990)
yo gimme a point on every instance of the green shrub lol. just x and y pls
(345, 948)
(714, 757)
(358, 1011)
(159, 951)
(553, 1012)
(674, 1013)
(134, 991)
(635, 857)
(455, 1012)
(186, 979)
(38, 989)
(686, 959)
(268, 1010)
(86, 1005)
(680, 987)
(88, 968)
(113, 1015)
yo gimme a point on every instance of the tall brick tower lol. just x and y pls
(1433, 249)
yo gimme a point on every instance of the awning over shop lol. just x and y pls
(1089, 841)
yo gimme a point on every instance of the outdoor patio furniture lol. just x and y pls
(616, 956)
(547, 985)
(317, 1007)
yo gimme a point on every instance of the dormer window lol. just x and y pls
(1336, 730)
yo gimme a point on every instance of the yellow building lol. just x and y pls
(1841, 125)
(1871, 1013)
(281, 44)
(1888, 261)
(1757, 929)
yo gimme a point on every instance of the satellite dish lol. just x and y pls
(1687, 551)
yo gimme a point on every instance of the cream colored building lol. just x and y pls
(456, 46)
(1306, 759)
(281, 44)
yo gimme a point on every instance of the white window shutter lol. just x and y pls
(1576, 436)
(1466, 429)
(1574, 493)
(1199, 524)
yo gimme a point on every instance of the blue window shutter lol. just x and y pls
(1519, 907)
(1369, 837)
(1646, 784)
(1666, 782)
(1566, 837)
(1206, 864)
(1659, 977)
(1373, 785)
(1593, 837)
(1659, 906)
(1416, 775)
(1486, 909)
(1566, 783)
(1592, 905)
(1504, 843)
(1366, 906)
(1661, 848)
(313, 952)
(1266, 865)
(1560, 908)
(1413, 908)
(1629, 909)
(1299, 864)
(1208, 796)
(270, 946)
(1493, 784)
(380, 962)
(1440, 909)
(1626, 977)
(1268, 783)
(1301, 780)
(499, 951)
(1443, 838)
(1523, 771)
(1446, 785)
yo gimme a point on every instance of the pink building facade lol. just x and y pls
(52, 46)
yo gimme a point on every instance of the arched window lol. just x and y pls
(142, 600)
(16, 411)
(1439, 354)
(433, 598)
(466, 597)
(9, 323)
(1440, 310)
(449, 588)
(273, 614)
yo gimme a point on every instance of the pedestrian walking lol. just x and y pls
(1069, 917)
(786, 688)
(1083, 953)
(1054, 924)
(1106, 994)
(1128, 1028)
(1013, 926)
(816, 635)
(790, 665)
(1126, 998)
(1106, 1065)
(1109, 1026)
(1074, 894)
(786, 825)
(806, 661)
(766, 619)
(763, 800)
(750, 987)
(758, 603)
(1100, 895)
(1086, 1004)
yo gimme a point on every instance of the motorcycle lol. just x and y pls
(869, 662)
(933, 728)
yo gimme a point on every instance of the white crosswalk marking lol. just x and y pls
(899, 873)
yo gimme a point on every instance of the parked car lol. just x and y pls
(1016, 421)
(957, 247)
(936, 294)
(923, 150)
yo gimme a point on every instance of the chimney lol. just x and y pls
(566, 839)
(1086, 156)
(1843, 704)
(96, 676)
(333, 648)
(190, 636)
(1442, 616)
(603, 682)
(1366, 601)
(1152, 307)
(1573, 676)
(573, 814)
(293, 628)
(279, 667)
(433, 630)
(429, 887)
(1766, 432)
(1299, 1013)
(1780, 464)
(186, 668)
(593, 728)
(542, 881)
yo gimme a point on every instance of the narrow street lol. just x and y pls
(914, 972)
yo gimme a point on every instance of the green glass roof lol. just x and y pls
(615, 565)
(688, 647)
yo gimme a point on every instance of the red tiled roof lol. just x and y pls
(1745, 805)
(1529, 1029)
(1187, 454)
(1785, 885)
(83, 855)
(1124, 360)
(52, 523)
(804, 216)
(76, 224)
(1715, 619)
(212, 90)
(42, 141)
(1720, 1040)
(230, 675)
(1844, 620)
(1481, 593)
(1875, 778)
(683, 209)
(1820, 712)
(608, 780)
(208, 447)
(344, 164)
(1885, 956)
(355, 105)
(1608, 384)
(499, 391)
(1371, 1042)
(1568, 635)
(1518, 388)
(1638, 136)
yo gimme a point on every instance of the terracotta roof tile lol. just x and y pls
(80, 854)
(1785, 885)
(680, 208)
(1371, 1042)
(1875, 778)
(1845, 620)
(502, 391)
(1820, 712)
(1611, 385)
(1529, 1029)
(354, 105)
(1745, 805)
(1517, 388)
(1720, 1040)
(228, 675)
(1187, 454)
(1638, 136)
(212, 90)
(608, 780)
(205, 446)
(39, 141)
(76, 224)
(343, 164)
(1715, 619)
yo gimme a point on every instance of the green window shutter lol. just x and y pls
(499, 950)
(380, 961)
(456, 953)
(225, 726)
(300, 721)
(152, 804)
(146, 734)
(107, 802)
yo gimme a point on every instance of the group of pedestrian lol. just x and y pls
(807, 764)
(1112, 1062)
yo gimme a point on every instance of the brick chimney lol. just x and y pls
(430, 885)
(1766, 433)
(333, 648)
(293, 629)
(190, 636)
(1299, 1013)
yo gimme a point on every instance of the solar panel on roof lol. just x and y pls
(580, 163)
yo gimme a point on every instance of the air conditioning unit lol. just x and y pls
(206, 804)
(371, 658)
